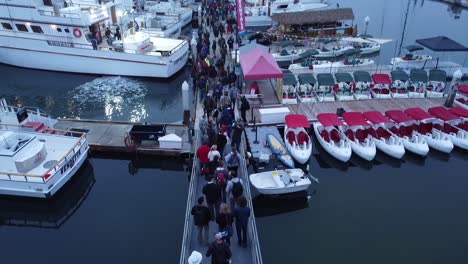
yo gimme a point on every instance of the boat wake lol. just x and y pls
(120, 98)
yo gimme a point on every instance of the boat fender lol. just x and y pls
(77, 33)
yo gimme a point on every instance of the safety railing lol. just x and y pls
(188, 224)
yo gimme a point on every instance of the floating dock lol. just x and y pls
(112, 137)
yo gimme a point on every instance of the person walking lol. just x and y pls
(219, 252)
(245, 106)
(209, 105)
(202, 154)
(221, 141)
(222, 177)
(242, 214)
(236, 136)
(201, 218)
(212, 193)
(224, 221)
(233, 91)
(235, 189)
(233, 160)
(117, 34)
(109, 38)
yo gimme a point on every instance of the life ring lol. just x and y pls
(77, 33)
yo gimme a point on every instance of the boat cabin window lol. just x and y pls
(21, 27)
(282, 6)
(37, 29)
(67, 30)
(7, 26)
(59, 30)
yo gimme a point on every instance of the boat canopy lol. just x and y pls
(365, 36)
(442, 113)
(441, 43)
(295, 121)
(398, 116)
(329, 119)
(399, 75)
(418, 75)
(352, 52)
(344, 77)
(325, 79)
(308, 53)
(289, 79)
(376, 117)
(437, 75)
(418, 114)
(381, 78)
(307, 78)
(459, 111)
(463, 88)
(362, 76)
(286, 43)
(355, 119)
(412, 48)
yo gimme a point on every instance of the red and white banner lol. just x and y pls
(240, 12)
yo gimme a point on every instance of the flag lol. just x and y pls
(240, 13)
(137, 27)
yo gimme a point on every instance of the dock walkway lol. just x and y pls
(110, 136)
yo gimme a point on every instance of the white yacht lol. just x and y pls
(35, 159)
(44, 34)
(159, 26)
(171, 9)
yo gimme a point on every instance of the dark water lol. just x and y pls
(104, 215)
(388, 211)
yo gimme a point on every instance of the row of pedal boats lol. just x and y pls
(393, 133)
(342, 86)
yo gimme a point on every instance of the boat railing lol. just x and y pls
(36, 178)
(188, 224)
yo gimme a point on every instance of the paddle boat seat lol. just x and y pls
(350, 134)
(382, 133)
(371, 131)
(463, 126)
(290, 137)
(394, 130)
(361, 135)
(425, 128)
(335, 136)
(325, 136)
(302, 138)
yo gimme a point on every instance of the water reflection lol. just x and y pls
(273, 205)
(50, 213)
(115, 96)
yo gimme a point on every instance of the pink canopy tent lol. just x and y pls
(259, 64)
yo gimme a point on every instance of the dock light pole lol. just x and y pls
(366, 24)
(120, 15)
(256, 132)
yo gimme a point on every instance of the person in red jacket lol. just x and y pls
(202, 154)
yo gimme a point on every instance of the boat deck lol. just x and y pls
(109, 137)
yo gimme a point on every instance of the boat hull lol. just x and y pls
(50, 187)
(439, 141)
(269, 184)
(32, 55)
(300, 154)
(341, 154)
(393, 150)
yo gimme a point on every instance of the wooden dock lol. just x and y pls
(110, 137)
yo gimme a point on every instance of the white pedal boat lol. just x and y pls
(382, 85)
(296, 138)
(431, 129)
(280, 181)
(406, 130)
(333, 52)
(357, 132)
(453, 126)
(329, 137)
(384, 140)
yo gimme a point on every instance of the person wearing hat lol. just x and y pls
(219, 252)
(195, 258)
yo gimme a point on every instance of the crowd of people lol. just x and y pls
(223, 202)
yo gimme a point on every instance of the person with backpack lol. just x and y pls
(202, 154)
(221, 141)
(201, 218)
(212, 194)
(236, 136)
(222, 177)
(233, 160)
(219, 252)
(245, 106)
(242, 214)
(224, 221)
(235, 189)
